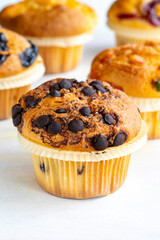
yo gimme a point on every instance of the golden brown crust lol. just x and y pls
(135, 69)
(16, 45)
(127, 119)
(52, 19)
(136, 8)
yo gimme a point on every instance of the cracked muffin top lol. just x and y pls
(50, 18)
(76, 116)
(141, 14)
(16, 53)
(133, 68)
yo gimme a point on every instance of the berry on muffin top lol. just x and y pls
(76, 116)
(142, 14)
(16, 53)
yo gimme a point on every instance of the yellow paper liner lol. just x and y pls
(25, 78)
(126, 34)
(146, 104)
(153, 122)
(80, 180)
(81, 175)
(63, 42)
(9, 97)
(58, 59)
(112, 152)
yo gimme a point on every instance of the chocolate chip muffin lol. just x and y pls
(59, 28)
(135, 21)
(134, 69)
(20, 65)
(78, 120)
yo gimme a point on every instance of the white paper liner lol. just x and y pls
(61, 41)
(147, 35)
(25, 78)
(109, 153)
(146, 104)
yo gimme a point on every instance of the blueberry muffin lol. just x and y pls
(80, 135)
(59, 28)
(20, 65)
(135, 70)
(135, 21)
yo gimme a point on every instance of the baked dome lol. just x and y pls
(53, 18)
(133, 68)
(16, 53)
(78, 116)
(141, 14)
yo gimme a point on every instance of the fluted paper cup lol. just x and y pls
(81, 175)
(150, 111)
(126, 34)
(61, 54)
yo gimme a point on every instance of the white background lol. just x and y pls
(27, 212)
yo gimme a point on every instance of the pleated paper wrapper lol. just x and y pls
(81, 175)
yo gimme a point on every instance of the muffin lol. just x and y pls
(80, 134)
(135, 21)
(58, 28)
(20, 65)
(135, 70)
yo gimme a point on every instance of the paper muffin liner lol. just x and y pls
(81, 175)
(9, 97)
(25, 78)
(61, 54)
(80, 180)
(130, 35)
(146, 104)
(109, 153)
(63, 42)
(58, 59)
(150, 111)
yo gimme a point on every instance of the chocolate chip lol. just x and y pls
(88, 91)
(3, 58)
(98, 86)
(55, 93)
(96, 82)
(3, 42)
(100, 142)
(16, 109)
(29, 56)
(76, 125)
(31, 101)
(55, 87)
(42, 121)
(3, 38)
(80, 171)
(61, 110)
(17, 120)
(54, 127)
(120, 139)
(65, 83)
(109, 119)
(74, 82)
(42, 167)
(85, 111)
(157, 84)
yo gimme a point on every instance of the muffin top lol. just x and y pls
(16, 53)
(76, 116)
(133, 68)
(139, 14)
(50, 18)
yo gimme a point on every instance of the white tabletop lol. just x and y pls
(27, 212)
